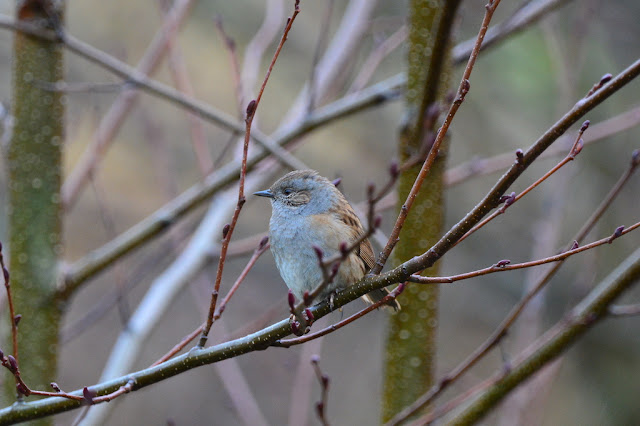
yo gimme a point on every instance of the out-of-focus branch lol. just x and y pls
(592, 309)
(597, 132)
(531, 12)
(123, 104)
(163, 218)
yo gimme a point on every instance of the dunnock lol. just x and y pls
(309, 211)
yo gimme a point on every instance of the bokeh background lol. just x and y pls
(518, 89)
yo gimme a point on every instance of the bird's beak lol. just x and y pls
(265, 193)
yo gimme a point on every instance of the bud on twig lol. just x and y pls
(251, 109)
(502, 263)
(306, 298)
(88, 395)
(13, 364)
(291, 299)
(394, 170)
(225, 230)
(617, 233)
(263, 242)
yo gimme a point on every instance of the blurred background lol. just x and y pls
(519, 88)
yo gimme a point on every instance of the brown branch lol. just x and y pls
(330, 329)
(463, 89)
(262, 247)
(228, 230)
(502, 329)
(13, 318)
(505, 265)
(512, 199)
(323, 379)
(597, 132)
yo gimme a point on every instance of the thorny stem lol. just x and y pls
(463, 89)
(251, 110)
(511, 200)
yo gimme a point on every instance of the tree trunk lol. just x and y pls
(411, 345)
(34, 159)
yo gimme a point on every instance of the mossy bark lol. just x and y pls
(34, 161)
(411, 341)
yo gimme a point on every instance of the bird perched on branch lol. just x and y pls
(312, 223)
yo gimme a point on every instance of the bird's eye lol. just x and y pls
(287, 191)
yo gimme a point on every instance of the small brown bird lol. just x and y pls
(309, 212)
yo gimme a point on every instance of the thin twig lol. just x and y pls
(515, 312)
(119, 110)
(311, 336)
(13, 319)
(228, 231)
(463, 89)
(376, 56)
(506, 265)
(323, 379)
(512, 199)
(597, 132)
(262, 247)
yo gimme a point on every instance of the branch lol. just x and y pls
(163, 218)
(227, 231)
(591, 309)
(463, 89)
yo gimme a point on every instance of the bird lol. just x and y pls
(310, 218)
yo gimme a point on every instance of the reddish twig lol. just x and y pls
(513, 198)
(302, 339)
(228, 230)
(323, 379)
(262, 247)
(463, 89)
(13, 318)
(505, 265)
(177, 348)
(501, 331)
